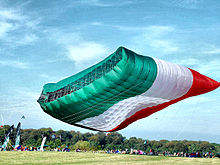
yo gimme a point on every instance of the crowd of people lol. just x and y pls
(194, 154)
(126, 151)
(165, 153)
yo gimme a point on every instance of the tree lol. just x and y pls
(57, 143)
(38, 143)
(101, 139)
(206, 147)
(98, 141)
(82, 145)
(170, 146)
(87, 136)
(76, 137)
(132, 142)
(180, 147)
(51, 144)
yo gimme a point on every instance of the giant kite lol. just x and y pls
(120, 90)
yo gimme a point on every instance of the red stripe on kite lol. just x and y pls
(201, 84)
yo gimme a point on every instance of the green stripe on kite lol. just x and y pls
(131, 75)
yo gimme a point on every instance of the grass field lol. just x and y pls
(12, 157)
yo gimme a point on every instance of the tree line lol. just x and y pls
(102, 141)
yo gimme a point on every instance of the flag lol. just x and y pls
(18, 135)
(7, 137)
(42, 144)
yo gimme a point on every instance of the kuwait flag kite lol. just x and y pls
(121, 89)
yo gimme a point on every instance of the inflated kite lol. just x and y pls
(121, 89)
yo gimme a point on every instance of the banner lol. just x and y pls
(18, 135)
(42, 144)
(5, 144)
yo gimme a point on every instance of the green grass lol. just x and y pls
(13, 157)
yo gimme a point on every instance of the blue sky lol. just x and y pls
(46, 41)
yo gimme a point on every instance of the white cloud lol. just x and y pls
(27, 39)
(199, 99)
(5, 28)
(187, 62)
(77, 49)
(210, 67)
(96, 3)
(10, 15)
(16, 28)
(62, 37)
(160, 30)
(86, 51)
(15, 64)
(190, 4)
(44, 75)
(213, 51)
(165, 45)
(97, 24)
(100, 3)
(156, 38)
